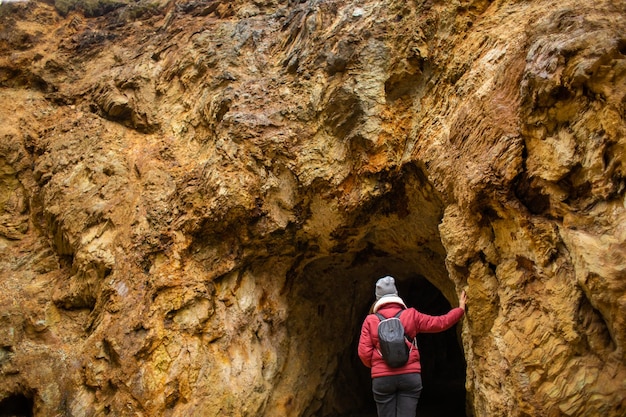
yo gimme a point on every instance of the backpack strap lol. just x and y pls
(381, 317)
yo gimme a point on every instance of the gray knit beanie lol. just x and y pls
(385, 286)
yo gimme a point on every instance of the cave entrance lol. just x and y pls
(397, 235)
(335, 294)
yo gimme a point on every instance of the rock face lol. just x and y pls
(196, 198)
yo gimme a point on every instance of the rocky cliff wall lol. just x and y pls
(196, 198)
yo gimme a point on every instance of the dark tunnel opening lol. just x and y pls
(442, 356)
(16, 405)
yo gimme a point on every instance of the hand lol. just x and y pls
(462, 300)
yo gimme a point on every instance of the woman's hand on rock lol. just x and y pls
(462, 300)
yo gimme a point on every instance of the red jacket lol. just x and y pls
(414, 322)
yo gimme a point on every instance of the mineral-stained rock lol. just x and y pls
(197, 197)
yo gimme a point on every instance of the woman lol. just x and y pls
(397, 390)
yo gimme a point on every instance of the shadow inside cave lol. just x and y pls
(17, 405)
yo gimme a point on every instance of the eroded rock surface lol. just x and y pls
(197, 197)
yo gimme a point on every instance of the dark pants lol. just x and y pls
(397, 395)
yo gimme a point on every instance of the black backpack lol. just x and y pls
(393, 341)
